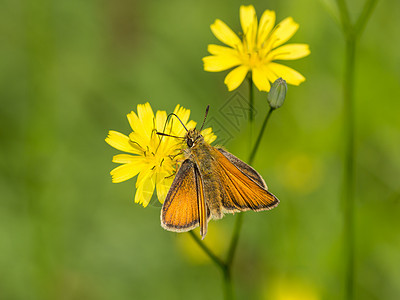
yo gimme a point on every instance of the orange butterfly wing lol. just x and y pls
(184, 207)
(245, 168)
(244, 189)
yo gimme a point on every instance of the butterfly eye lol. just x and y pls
(190, 143)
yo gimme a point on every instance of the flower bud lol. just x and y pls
(277, 93)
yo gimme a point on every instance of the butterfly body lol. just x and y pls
(210, 182)
(202, 154)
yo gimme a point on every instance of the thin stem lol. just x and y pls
(39, 35)
(228, 288)
(235, 239)
(208, 251)
(348, 176)
(364, 16)
(251, 100)
(351, 33)
(251, 108)
(344, 15)
(225, 267)
(260, 135)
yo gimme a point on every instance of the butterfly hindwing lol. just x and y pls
(245, 168)
(241, 191)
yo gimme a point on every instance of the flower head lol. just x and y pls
(260, 46)
(152, 157)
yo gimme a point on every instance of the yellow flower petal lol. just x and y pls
(289, 52)
(260, 79)
(145, 173)
(140, 140)
(236, 77)
(225, 34)
(126, 158)
(146, 117)
(161, 118)
(270, 75)
(220, 63)
(208, 135)
(121, 142)
(163, 185)
(135, 123)
(267, 22)
(291, 76)
(247, 17)
(248, 20)
(183, 115)
(143, 123)
(125, 172)
(145, 191)
(283, 32)
(190, 125)
(221, 50)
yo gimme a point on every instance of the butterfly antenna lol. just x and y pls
(165, 126)
(172, 114)
(165, 134)
(205, 117)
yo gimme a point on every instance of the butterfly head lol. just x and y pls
(193, 137)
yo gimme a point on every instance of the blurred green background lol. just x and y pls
(72, 70)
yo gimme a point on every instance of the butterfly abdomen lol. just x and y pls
(211, 184)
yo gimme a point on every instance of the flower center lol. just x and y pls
(252, 59)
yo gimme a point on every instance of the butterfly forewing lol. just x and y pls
(241, 191)
(184, 204)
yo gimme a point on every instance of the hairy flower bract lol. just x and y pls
(154, 158)
(260, 45)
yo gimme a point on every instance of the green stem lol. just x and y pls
(207, 250)
(364, 16)
(225, 267)
(348, 177)
(235, 239)
(251, 108)
(351, 32)
(39, 149)
(251, 100)
(228, 286)
(344, 16)
(260, 135)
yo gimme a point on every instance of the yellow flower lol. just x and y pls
(255, 52)
(155, 158)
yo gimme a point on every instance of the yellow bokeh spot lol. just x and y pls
(300, 173)
(215, 240)
(291, 289)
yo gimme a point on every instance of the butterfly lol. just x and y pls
(209, 183)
